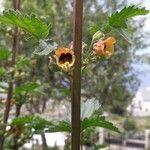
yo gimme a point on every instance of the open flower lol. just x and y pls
(104, 47)
(65, 58)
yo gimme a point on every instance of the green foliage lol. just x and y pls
(118, 19)
(40, 125)
(97, 147)
(35, 123)
(129, 124)
(97, 121)
(93, 29)
(26, 88)
(89, 117)
(107, 78)
(4, 54)
(31, 24)
(60, 126)
(22, 62)
(2, 72)
(88, 120)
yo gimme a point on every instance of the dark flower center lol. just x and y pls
(65, 58)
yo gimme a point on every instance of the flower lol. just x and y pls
(65, 58)
(104, 47)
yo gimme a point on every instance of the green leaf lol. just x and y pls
(4, 54)
(45, 47)
(40, 125)
(97, 121)
(26, 88)
(2, 72)
(93, 29)
(23, 62)
(31, 24)
(32, 122)
(60, 126)
(22, 120)
(118, 19)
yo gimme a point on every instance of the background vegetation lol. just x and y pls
(37, 89)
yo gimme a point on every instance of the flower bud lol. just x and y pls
(104, 47)
(98, 35)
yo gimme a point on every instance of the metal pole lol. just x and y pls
(76, 83)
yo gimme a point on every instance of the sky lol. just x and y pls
(144, 69)
(144, 76)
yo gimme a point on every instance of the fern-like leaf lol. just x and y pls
(31, 24)
(39, 125)
(118, 19)
(97, 121)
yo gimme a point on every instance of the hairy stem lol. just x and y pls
(76, 82)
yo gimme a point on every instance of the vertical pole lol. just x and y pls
(76, 84)
(147, 143)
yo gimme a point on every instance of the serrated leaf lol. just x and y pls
(97, 121)
(39, 125)
(118, 19)
(4, 54)
(60, 126)
(45, 47)
(124, 34)
(31, 24)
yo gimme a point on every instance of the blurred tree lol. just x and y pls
(112, 81)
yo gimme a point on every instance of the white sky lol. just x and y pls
(144, 76)
(146, 4)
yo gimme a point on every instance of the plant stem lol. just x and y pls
(76, 82)
(15, 48)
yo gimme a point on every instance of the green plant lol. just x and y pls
(100, 48)
(129, 124)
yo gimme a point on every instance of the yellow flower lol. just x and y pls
(104, 47)
(65, 58)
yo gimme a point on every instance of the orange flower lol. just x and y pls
(104, 47)
(65, 58)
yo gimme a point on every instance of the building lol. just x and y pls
(140, 105)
